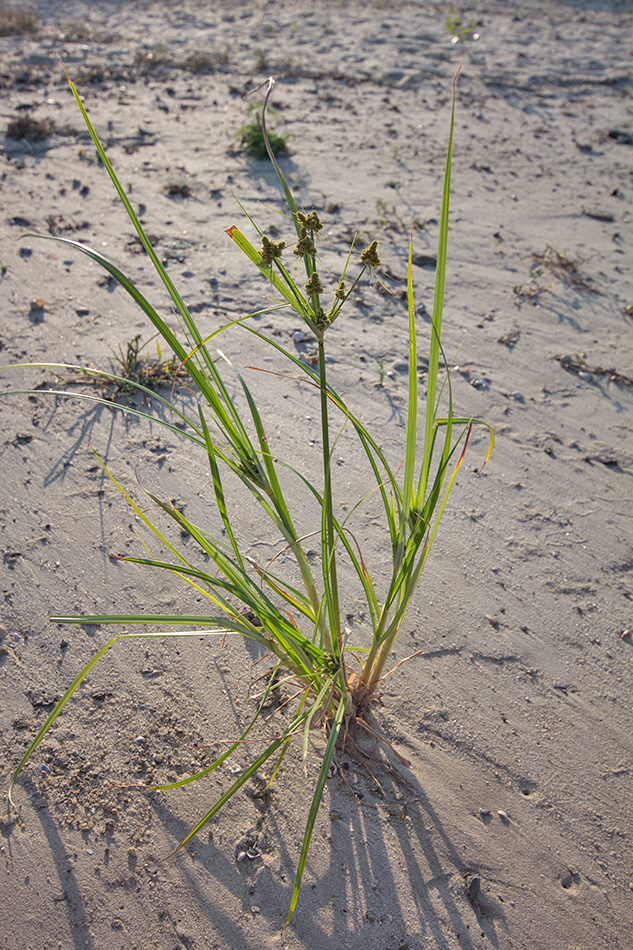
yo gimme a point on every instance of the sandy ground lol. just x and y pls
(517, 715)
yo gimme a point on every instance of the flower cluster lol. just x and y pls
(370, 255)
(314, 285)
(309, 225)
(310, 222)
(270, 250)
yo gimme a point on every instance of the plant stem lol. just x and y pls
(333, 627)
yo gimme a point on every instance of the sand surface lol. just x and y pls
(516, 717)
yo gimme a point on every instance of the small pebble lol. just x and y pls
(518, 396)
(140, 739)
(484, 812)
(586, 376)
(503, 815)
(26, 251)
(473, 884)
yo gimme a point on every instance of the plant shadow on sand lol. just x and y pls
(360, 866)
(359, 858)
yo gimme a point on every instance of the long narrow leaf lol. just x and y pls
(335, 728)
(438, 306)
(78, 680)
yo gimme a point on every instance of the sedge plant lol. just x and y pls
(294, 617)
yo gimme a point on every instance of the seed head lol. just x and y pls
(322, 320)
(305, 244)
(311, 222)
(270, 250)
(340, 291)
(314, 286)
(370, 255)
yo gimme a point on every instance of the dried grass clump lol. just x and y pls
(33, 130)
(16, 20)
(78, 32)
(204, 61)
(156, 55)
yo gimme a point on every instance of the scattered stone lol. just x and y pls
(622, 138)
(473, 885)
(425, 260)
(41, 698)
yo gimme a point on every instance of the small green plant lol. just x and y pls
(294, 613)
(458, 29)
(149, 372)
(252, 140)
(261, 60)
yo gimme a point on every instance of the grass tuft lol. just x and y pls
(16, 20)
(292, 606)
(32, 130)
(460, 29)
(204, 61)
(251, 139)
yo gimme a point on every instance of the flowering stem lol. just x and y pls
(329, 554)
